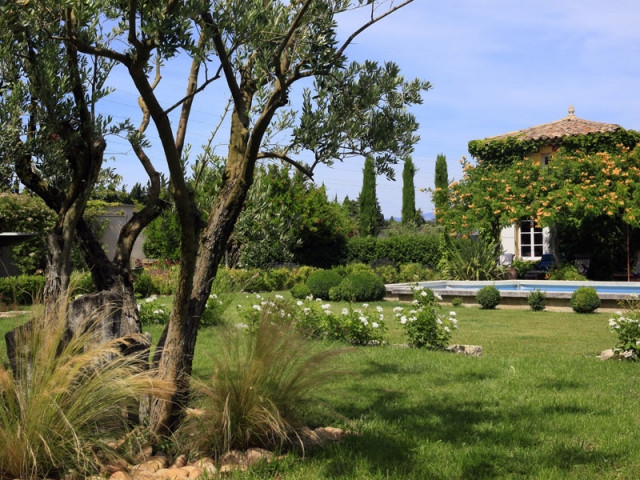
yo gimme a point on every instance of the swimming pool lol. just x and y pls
(514, 292)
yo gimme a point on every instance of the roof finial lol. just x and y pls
(572, 111)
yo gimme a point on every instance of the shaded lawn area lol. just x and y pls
(536, 405)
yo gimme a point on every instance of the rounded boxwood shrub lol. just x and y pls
(488, 297)
(360, 287)
(537, 300)
(300, 291)
(585, 300)
(320, 281)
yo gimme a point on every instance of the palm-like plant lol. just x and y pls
(472, 259)
(66, 399)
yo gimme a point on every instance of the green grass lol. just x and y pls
(536, 405)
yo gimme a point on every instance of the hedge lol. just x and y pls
(424, 249)
(21, 290)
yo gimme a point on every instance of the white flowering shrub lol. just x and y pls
(213, 311)
(425, 327)
(316, 319)
(627, 326)
(152, 312)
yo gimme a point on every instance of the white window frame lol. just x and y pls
(531, 244)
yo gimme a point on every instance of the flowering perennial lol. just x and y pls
(314, 319)
(424, 326)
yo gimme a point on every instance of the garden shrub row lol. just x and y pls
(422, 249)
(21, 290)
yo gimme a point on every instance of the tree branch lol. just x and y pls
(367, 25)
(285, 158)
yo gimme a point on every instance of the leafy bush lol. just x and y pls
(21, 290)
(627, 327)
(522, 267)
(320, 281)
(300, 291)
(314, 319)
(456, 301)
(414, 272)
(214, 310)
(360, 287)
(424, 327)
(537, 300)
(66, 398)
(262, 383)
(82, 283)
(153, 312)
(143, 285)
(388, 273)
(358, 268)
(488, 297)
(585, 300)
(566, 272)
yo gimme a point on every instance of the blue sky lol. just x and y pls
(495, 66)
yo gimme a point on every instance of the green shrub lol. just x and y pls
(143, 285)
(214, 310)
(300, 291)
(472, 259)
(566, 272)
(21, 290)
(388, 273)
(424, 326)
(585, 300)
(456, 301)
(361, 287)
(320, 281)
(522, 267)
(537, 300)
(358, 268)
(82, 283)
(627, 326)
(414, 272)
(152, 312)
(258, 281)
(280, 278)
(488, 297)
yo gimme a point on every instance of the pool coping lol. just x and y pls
(610, 301)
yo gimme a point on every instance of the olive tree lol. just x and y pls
(255, 52)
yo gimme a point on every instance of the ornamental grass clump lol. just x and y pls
(263, 380)
(424, 326)
(67, 398)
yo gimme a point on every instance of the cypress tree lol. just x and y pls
(408, 193)
(368, 201)
(441, 184)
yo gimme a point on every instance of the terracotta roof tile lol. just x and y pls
(565, 127)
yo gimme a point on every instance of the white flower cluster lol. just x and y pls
(621, 321)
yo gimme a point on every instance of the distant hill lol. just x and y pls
(428, 217)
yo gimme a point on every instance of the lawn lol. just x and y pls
(538, 404)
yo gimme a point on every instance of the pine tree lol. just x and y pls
(368, 201)
(441, 184)
(408, 193)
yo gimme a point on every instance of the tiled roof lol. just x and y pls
(565, 127)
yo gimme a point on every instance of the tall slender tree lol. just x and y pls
(368, 200)
(442, 185)
(408, 193)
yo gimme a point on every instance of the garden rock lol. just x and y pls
(157, 468)
(321, 435)
(607, 354)
(471, 350)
